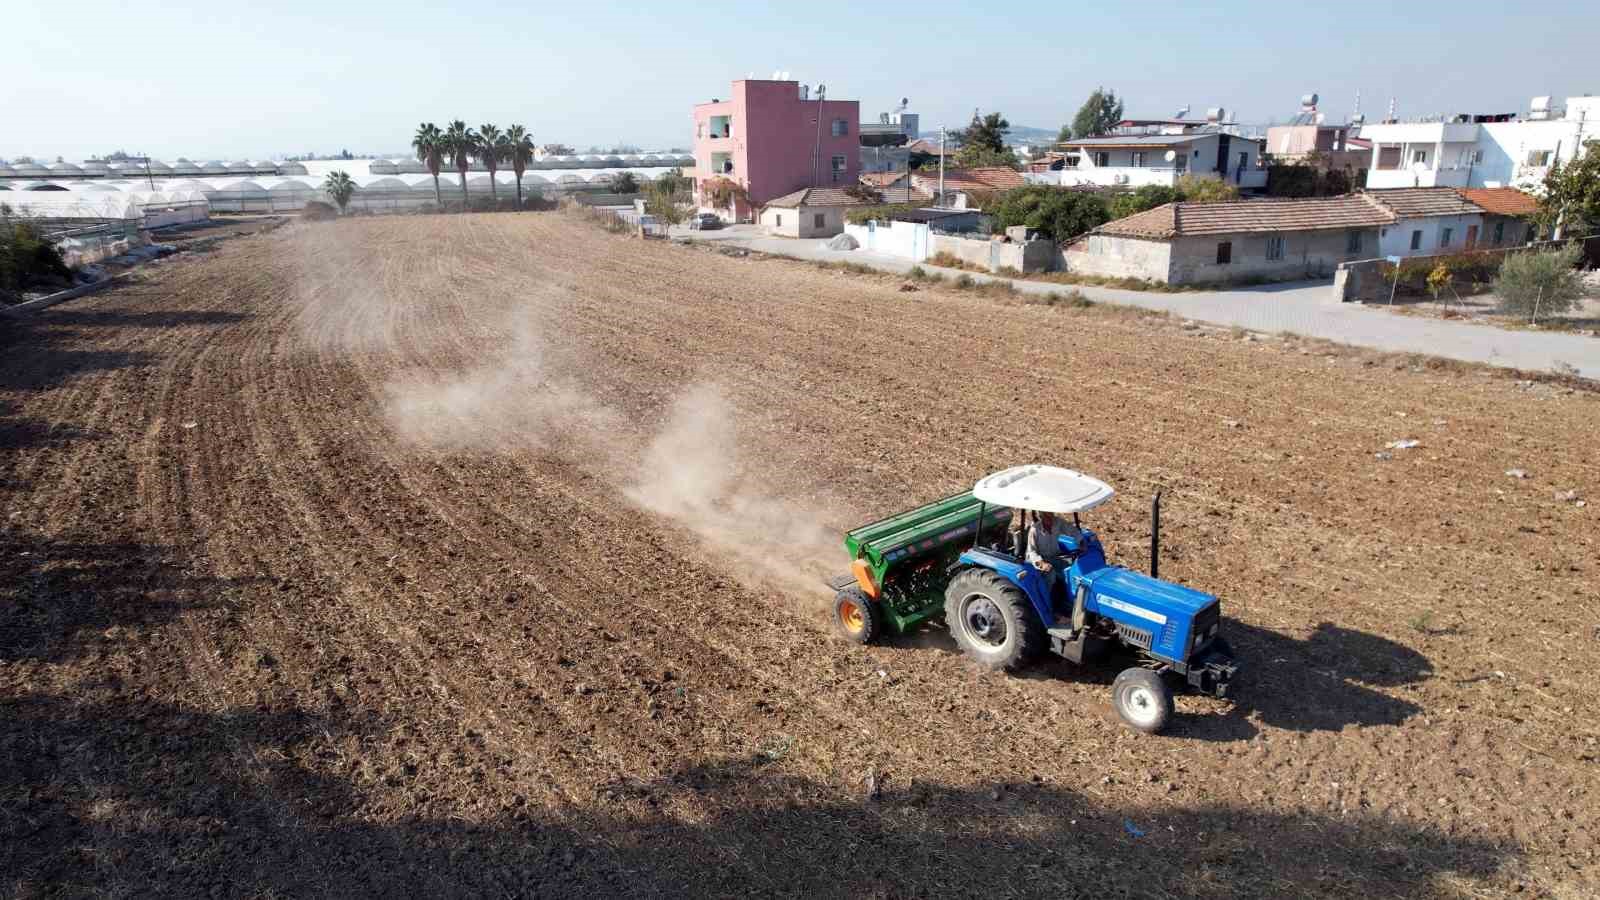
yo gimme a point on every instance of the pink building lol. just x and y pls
(774, 138)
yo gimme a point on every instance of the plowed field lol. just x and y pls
(482, 556)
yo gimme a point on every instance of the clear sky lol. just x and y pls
(251, 78)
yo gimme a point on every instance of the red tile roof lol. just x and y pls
(816, 197)
(881, 179)
(1502, 201)
(1419, 202)
(991, 178)
(1251, 216)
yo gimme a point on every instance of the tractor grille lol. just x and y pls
(1138, 637)
(1205, 626)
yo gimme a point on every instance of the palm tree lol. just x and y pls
(430, 147)
(461, 142)
(339, 187)
(519, 150)
(490, 141)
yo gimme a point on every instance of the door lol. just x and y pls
(1472, 236)
(1222, 156)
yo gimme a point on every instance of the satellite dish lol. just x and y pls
(1182, 112)
(1171, 155)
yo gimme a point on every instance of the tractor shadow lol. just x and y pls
(167, 799)
(1326, 682)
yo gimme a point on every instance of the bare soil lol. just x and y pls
(471, 555)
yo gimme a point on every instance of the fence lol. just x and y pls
(1369, 279)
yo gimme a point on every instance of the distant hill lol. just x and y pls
(1019, 134)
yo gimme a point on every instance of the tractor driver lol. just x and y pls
(1044, 546)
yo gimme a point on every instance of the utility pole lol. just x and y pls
(816, 149)
(940, 201)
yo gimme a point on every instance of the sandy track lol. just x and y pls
(372, 556)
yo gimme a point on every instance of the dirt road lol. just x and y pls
(471, 555)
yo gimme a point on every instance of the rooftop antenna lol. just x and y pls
(1391, 110)
(1356, 115)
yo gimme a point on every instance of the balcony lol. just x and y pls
(721, 165)
(1419, 177)
(1122, 176)
(719, 127)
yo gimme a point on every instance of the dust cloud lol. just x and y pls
(532, 388)
(691, 473)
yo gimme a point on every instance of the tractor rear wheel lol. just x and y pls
(857, 616)
(1143, 699)
(992, 620)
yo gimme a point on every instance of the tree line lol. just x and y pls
(462, 145)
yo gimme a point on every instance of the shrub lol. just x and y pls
(965, 281)
(1541, 282)
(1140, 199)
(317, 211)
(1061, 214)
(1206, 190)
(861, 215)
(624, 183)
(917, 273)
(25, 257)
(1439, 279)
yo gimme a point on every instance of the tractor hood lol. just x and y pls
(1141, 592)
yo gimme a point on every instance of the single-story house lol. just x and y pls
(1187, 243)
(808, 212)
(1428, 221)
(895, 187)
(1507, 215)
(961, 184)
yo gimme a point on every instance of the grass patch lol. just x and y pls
(1059, 300)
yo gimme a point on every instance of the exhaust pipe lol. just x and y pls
(1155, 535)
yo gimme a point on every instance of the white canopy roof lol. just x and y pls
(1044, 489)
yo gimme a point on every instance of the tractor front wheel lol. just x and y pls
(1143, 699)
(992, 620)
(856, 616)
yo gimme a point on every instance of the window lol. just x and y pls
(1275, 248)
(1444, 236)
(1419, 157)
(1388, 157)
(1499, 233)
(780, 220)
(1416, 240)
(1476, 158)
(841, 127)
(1244, 160)
(1224, 253)
(821, 221)
(1138, 158)
(1539, 158)
(838, 168)
(1102, 159)
(1352, 243)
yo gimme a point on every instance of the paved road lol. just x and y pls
(1299, 307)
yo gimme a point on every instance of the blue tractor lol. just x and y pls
(965, 559)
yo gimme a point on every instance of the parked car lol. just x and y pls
(704, 222)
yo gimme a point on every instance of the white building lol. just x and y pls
(1481, 154)
(1136, 160)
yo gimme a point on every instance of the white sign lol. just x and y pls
(1132, 610)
